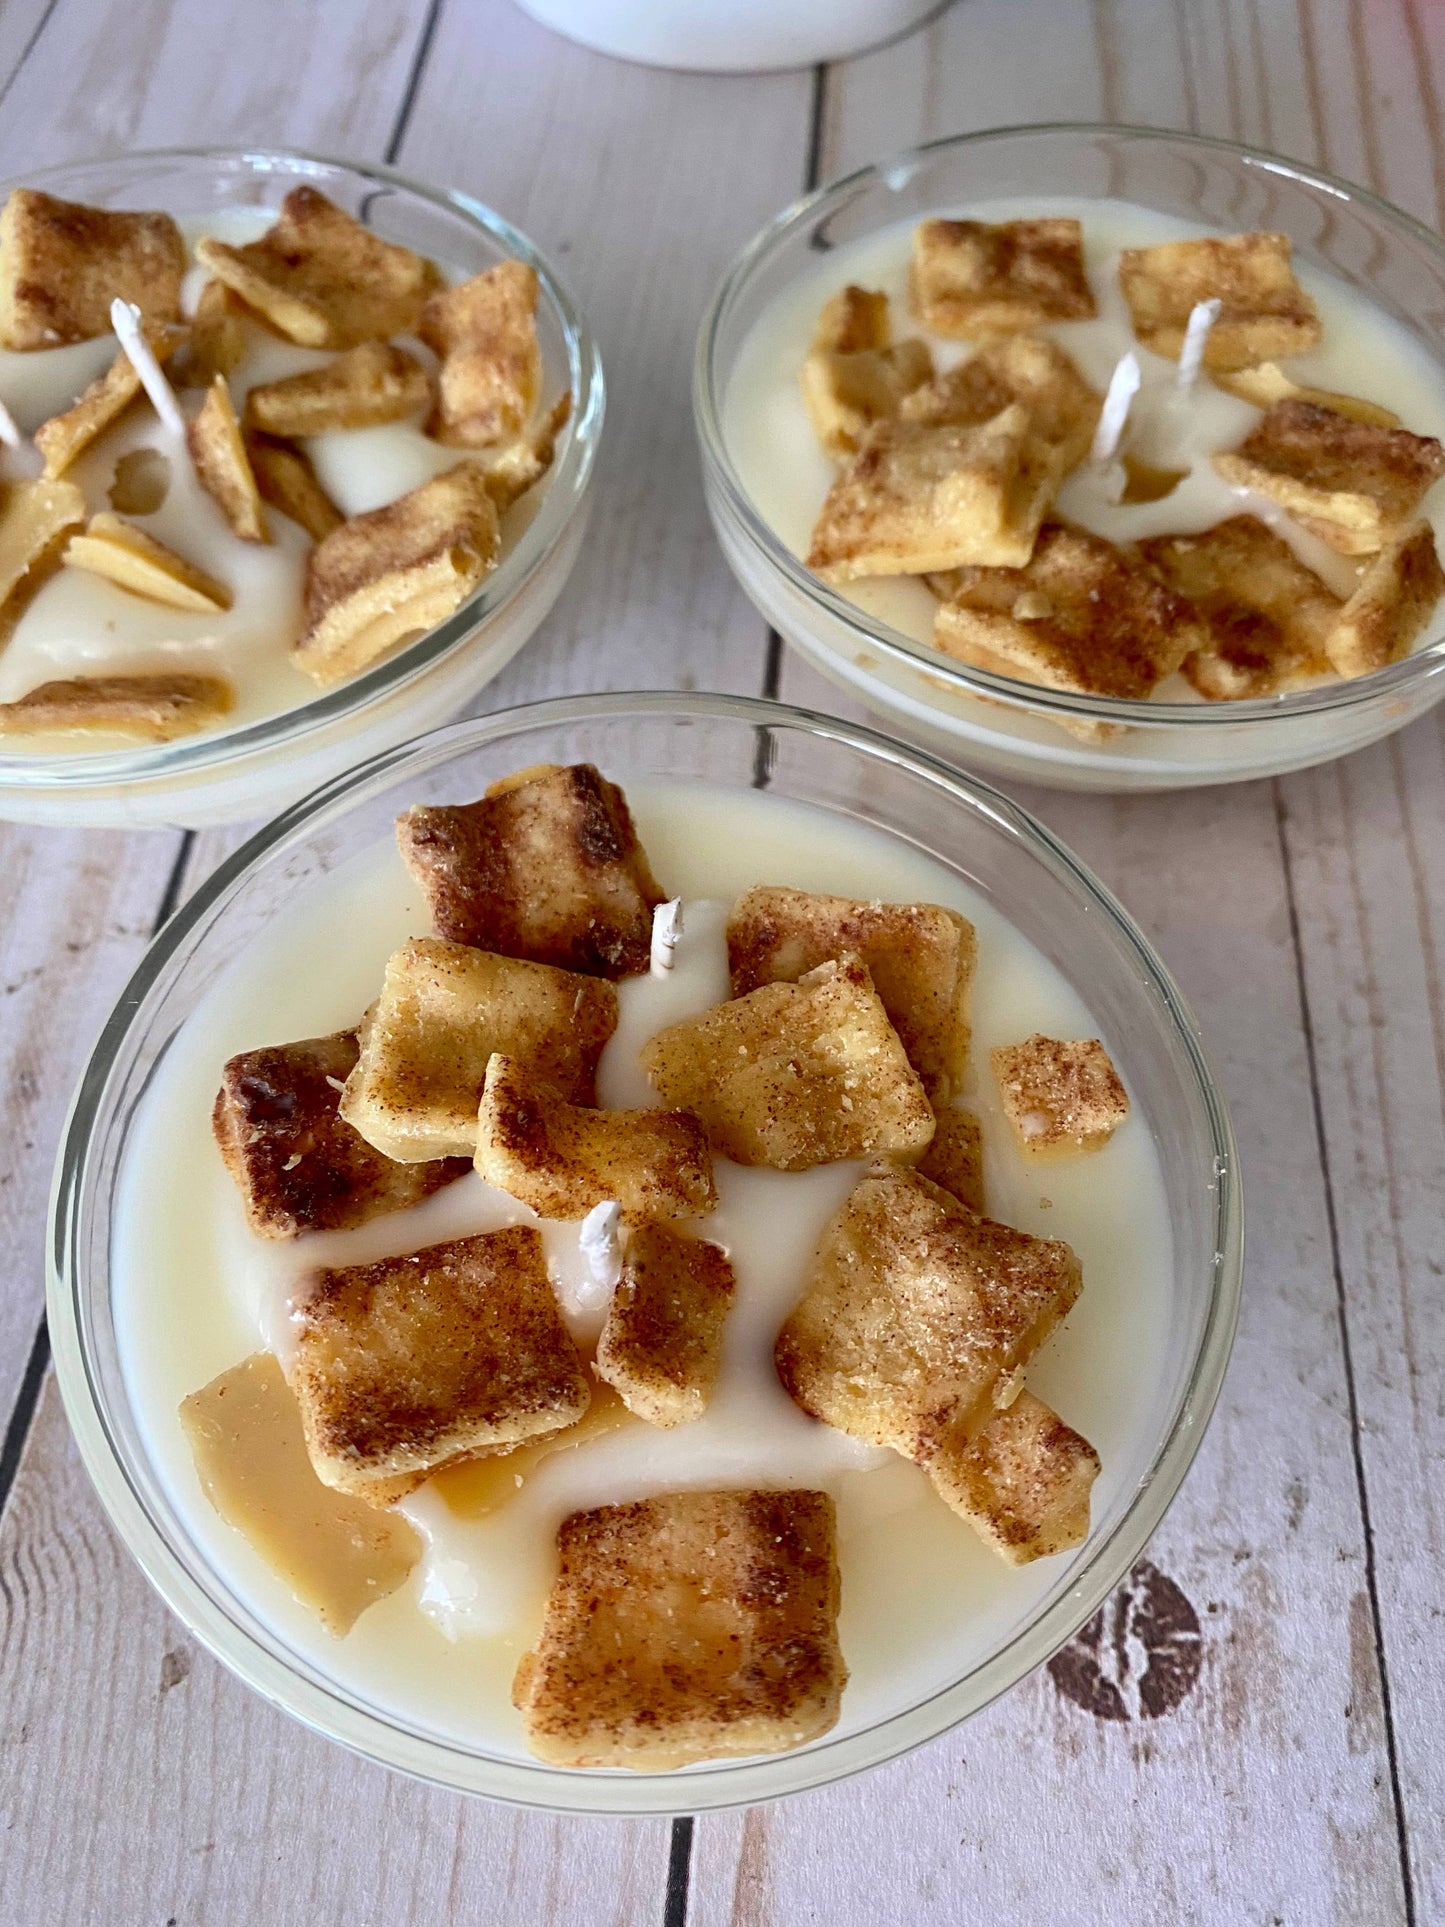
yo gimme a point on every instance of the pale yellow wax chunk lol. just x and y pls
(476, 1487)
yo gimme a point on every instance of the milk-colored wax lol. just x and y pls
(786, 474)
(922, 1597)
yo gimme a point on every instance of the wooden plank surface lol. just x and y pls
(1300, 1777)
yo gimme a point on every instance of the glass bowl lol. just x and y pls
(847, 771)
(994, 722)
(256, 768)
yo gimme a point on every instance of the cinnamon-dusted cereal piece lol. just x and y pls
(1031, 369)
(954, 1158)
(338, 1554)
(372, 383)
(485, 335)
(395, 572)
(298, 1164)
(1398, 594)
(216, 343)
(546, 865)
(854, 374)
(65, 436)
(1268, 617)
(916, 1312)
(36, 518)
(223, 468)
(135, 560)
(1082, 614)
(561, 1159)
(63, 263)
(971, 279)
(1266, 314)
(1061, 1097)
(287, 481)
(693, 1626)
(1352, 484)
(322, 279)
(143, 708)
(512, 470)
(662, 1343)
(1268, 383)
(796, 1074)
(406, 1364)
(919, 498)
(1023, 1483)
(444, 1009)
(920, 956)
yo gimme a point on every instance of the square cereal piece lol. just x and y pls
(1031, 369)
(1080, 615)
(920, 956)
(134, 560)
(954, 1159)
(796, 1074)
(1398, 594)
(1268, 383)
(65, 436)
(915, 1312)
(1060, 1097)
(853, 321)
(143, 709)
(693, 1626)
(403, 1365)
(561, 1159)
(286, 479)
(1350, 483)
(444, 1009)
(298, 1164)
(1267, 616)
(546, 865)
(920, 498)
(1266, 313)
(222, 465)
(518, 466)
(365, 387)
(62, 264)
(484, 333)
(854, 373)
(322, 279)
(36, 519)
(1023, 1484)
(970, 280)
(395, 572)
(662, 1343)
(216, 343)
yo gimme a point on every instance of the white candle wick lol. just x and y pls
(9, 433)
(666, 930)
(600, 1242)
(1202, 317)
(1123, 387)
(125, 319)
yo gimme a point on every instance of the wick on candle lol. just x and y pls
(1202, 317)
(9, 433)
(600, 1242)
(125, 319)
(1123, 387)
(666, 929)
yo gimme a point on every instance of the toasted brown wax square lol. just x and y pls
(322, 279)
(661, 1345)
(854, 374)
(65, 436)
(1029, 369)
(396, 572)
(1351, 483)
(134, 560)
(1062, 1096)
(920, 956)
(971, 279)
(1266, 614)
(1398, 594)
(484, 333)
(286, 479)
(546, 865)
(1023, 1483)
(562, 1159)
(954, 1158)
(216, 344)
(796, 1074)
(147, 709)
(366, 386)
(403, 1365)
(444, 1009)
(223, 468)
(1265, 315)
(692, 1626)
(1082, 615)
(36, 519)
(916, 1311)
(63, 263)
(298, 1164)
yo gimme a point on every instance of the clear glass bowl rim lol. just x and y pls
(566, 486)
(268, 1668)
(1422, 665)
